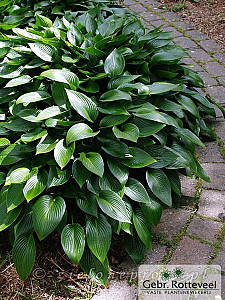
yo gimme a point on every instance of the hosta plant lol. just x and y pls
(98, 118)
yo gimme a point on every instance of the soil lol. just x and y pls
(206, 15)
(54, 276)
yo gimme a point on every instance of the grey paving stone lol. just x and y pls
(215, 68)
(129, 2)
(137, 8)
(220, 57)
(148, 16)
(192, 64)
(185, 42)
(183, 25)
(191, 251)
(188, 186)
(208, 230)
(220, 258)
(210, 154)
(219, 115)
(171, 222)
(209, 45)
(153, 257)
(117, 290)
(212, 203)
(175, 32)
(208, 81)
(199, 54)
(223, 286)
(220, 130)
(221, 80)
(216, 172)
(171, 16)
(197, 34)
(158, 23)
(217, 93)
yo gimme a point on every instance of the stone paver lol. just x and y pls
(197, 34)
(221, 80)
(216, 172)
(212, 203)
(117, 290)
(171, 222)
(199, 55)
(209, 45)
(192, 64)
(217, 93)
(208, 81)
(191, 251)
(220, 130)
(185, 42)
(207, 230)
(188, 186)
(223, 286)
(215, 68)
(220, 57)
(210, 154)
(220, 258)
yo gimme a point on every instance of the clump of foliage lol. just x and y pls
(98, 118)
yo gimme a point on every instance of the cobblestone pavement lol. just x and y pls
(195, 233)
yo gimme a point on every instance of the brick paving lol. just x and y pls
(195, 232)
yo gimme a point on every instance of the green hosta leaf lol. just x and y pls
(142, 227)
(158, 117)
(62, 76)
(169, 54)
(119, 171)
(189, 105)
(33, 135)
(117, 149)
(159, 185)
(80, 173)
(26, 34)
(99, 234)
(107, 182)
(113, 95)
(62, 153)
(2, 177)
(59, 94)
(7, 218)
(129, 132)
(24, 226)
(93, 162)
(139, 159)
(83, 105)
(147, 128)
(163, 87)
(19, 175)
(79, 131)
(136, 191)
(45, 52)
(35, 185)
(48, 112)
(4, 142)
(113, 205)
(46, 144)
(24, 253)
(187, 134)
(73, 242)
(134, 247)
(116, 82)
(57, 177)
(33, 97)
(114, 63)
(18, 81)
(47, 214)
(110, 121)
(15, 196)
(152, 210)
(93, 267)
(43, 21)
(89, 204)
(175, 182)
